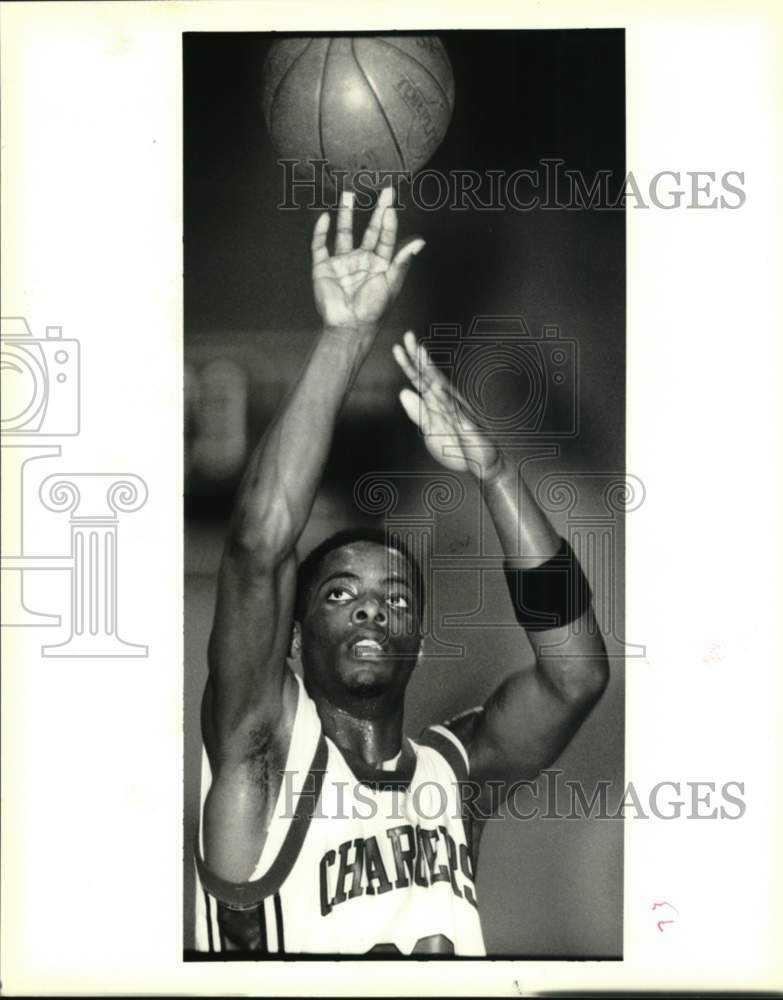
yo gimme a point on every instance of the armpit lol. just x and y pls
(263, 756)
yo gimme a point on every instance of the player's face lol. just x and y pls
(361, 631)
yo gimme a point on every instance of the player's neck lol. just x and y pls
(374, 740)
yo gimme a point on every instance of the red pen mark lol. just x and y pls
(661, 923)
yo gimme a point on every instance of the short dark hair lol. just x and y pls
(311, 564)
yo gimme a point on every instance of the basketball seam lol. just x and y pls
(321, 80)
(426, 69)
(380, 105)
(283, 78)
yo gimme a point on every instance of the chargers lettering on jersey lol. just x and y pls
(414, 855)
(381, 841)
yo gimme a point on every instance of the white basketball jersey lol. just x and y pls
(351, 864)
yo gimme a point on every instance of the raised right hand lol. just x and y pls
(353, 288)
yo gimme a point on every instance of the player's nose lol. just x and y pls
(369, 610)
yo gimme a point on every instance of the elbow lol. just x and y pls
(256, 556)
(579, 681)
(260, 543)
(592, 680)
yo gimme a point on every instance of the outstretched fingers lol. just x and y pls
(441, 395)
(318, 243)
(443, 385)
(344, 240)
(431, 376)
(427, 414)
(381, 226)
(388, 236)
(416, 409)
(401, 262)
(412, 404)
(410, 370)
(420, 379)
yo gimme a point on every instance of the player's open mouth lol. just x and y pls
(367, 647)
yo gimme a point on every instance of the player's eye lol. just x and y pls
(398, 601)
(339, 594)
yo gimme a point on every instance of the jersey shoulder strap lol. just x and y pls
(446, 742)
(450, 747)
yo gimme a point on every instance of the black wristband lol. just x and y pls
(550, 595)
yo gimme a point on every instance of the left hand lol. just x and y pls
(451, 436)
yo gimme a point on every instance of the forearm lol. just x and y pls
(522, 527)
(282, 476)
(570, 656)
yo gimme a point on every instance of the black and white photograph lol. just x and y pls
(390, 446)
(405, 493)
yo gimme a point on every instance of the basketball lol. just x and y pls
(368, 103)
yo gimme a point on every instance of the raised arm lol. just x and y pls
(249, 701)
(533, 714)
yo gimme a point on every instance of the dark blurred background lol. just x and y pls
(547, 887)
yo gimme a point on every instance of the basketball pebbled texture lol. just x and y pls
(366, 103)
